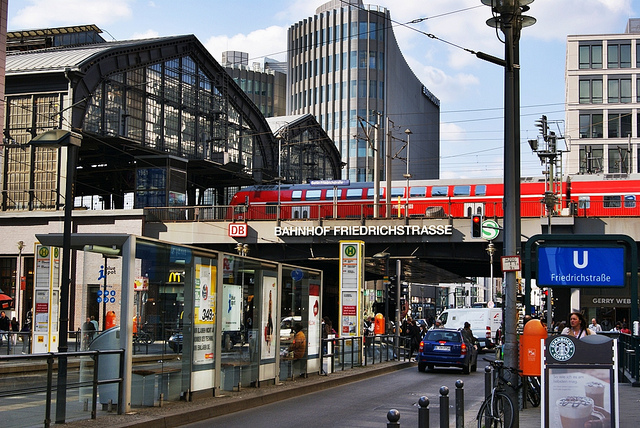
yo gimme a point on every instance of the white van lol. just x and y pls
(485, 322)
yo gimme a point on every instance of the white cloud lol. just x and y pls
(47, 13)
(270, 42)
(149, 34)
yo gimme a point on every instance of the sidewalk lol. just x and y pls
(179, 413)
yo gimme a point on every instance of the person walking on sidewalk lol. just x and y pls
(577, 326)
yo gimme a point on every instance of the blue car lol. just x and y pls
(448, 348)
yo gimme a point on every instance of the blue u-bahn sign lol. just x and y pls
(581, 266)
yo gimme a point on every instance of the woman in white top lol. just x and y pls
(577, 326)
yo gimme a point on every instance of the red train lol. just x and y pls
(580, 195)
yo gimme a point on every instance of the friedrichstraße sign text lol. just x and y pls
(384, 230)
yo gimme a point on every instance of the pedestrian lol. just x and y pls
(625, 329)
(15, 329)
(298, 348)
(5, 326)
(594, 326)
(414, 332)
(437, 324)
(367, 336)
(327, 329)
(88, 330)
(616, 328)
(468, 336)
(577, 326)
(25, 336)
(95, 323)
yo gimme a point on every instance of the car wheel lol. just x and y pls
(430, 366)
(422, 367)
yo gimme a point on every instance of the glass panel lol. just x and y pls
(481, 190)
(296, 195)
(629, 201)
(439, 191)
(418, 191)
(397, 191)
(461, 190)
(313, 195)
(354, 193)
(612, 201)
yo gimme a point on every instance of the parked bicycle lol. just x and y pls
(497, 409)
(144, 336)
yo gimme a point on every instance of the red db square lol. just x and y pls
(238, 230)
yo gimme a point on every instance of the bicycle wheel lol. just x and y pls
(496, 412)
(533, 391)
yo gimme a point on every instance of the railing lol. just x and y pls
(17, 342)
(628, 353)
(30, 376)
(352, 351)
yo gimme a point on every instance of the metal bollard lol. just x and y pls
(487, 381)
(423, 412)
(393, 416)
(459, 404)
(444, 407)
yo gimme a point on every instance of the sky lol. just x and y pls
(436, 46)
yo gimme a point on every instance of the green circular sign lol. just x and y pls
(562, 348)
(350, 251)
(490, 229)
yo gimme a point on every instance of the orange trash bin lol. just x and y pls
(110, 320)
(530, 357)
(378, 326)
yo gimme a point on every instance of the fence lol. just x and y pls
(30, 377)
(342, 353)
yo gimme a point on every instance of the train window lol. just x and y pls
(296, 195)
(371, 190)
(329, 194)
(354, 193)
(397, 191)
(313, 195)
(439, 191)
(584, 202)
(629, 201)
(612, 201)
(418, 192)
(481, 190)
(461, 190)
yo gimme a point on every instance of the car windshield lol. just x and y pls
(439, 336)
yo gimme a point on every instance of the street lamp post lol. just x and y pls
(491, 249)
(407, 175)
(508, 17)
(57, 138)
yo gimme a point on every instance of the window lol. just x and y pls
(371, 190)
(362, 89)
(612, 201)
(372, 59)
(591, 91)
(619, 55)
(619, 125)
(584, 202)
(461, 190)
(590, 56)
(296, 195)
(619, 90)
(591, 125)
(329, 194)
(591, 159)
(481, 190)
(617, 160)
(418, 192)
(354, 193)
(439, 191)
(629, 201)
(313, 195)
(362, 59)
(397, 192)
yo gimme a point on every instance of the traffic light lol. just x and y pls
(544, 127)
(476, 226)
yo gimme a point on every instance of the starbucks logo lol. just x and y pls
(562, 348)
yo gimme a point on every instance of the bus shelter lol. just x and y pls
(232, 319)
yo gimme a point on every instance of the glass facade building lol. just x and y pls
(346, 69)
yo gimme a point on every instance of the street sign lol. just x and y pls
(490, 229)
(581, 266)
(510, 263)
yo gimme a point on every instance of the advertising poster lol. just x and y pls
(577, 397)
(269, 300)
(349, 314)
(313, 331)
(232, 307)
(204, 314)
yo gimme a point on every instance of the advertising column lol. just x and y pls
(351, 277)
(46, 299)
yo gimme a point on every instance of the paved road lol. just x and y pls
(362, 404)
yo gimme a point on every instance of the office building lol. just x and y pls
(346, 69)
(602, 100)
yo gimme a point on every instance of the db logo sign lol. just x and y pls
(238, 230)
